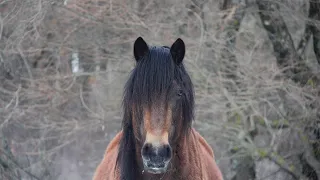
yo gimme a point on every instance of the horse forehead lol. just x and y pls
(156, 111)
(157, 106)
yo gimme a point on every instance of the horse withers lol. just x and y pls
(157, 140)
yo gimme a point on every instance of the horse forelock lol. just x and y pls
(151, 80)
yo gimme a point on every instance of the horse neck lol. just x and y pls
(187, 157)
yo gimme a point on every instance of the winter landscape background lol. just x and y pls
(255, 66)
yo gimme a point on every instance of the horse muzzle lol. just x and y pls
(156, 158)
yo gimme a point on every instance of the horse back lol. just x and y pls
(106, 170)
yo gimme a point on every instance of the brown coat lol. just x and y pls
(195, 161)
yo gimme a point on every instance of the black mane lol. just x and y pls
(153, 75)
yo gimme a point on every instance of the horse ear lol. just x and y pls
(177, 51)
(140, 48)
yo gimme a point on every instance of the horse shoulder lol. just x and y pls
(211, 168)
(106, 169)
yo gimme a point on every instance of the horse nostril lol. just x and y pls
(147, 150)
(165, 152)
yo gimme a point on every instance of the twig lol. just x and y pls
(16, 98)
(17, 165)
(283, 45)
(201, 35)
(310, 158)
(1, 26)
(84, 103)
(88, 17)
(284, 167)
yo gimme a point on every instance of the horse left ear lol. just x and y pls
(140, 48)
(177, 51)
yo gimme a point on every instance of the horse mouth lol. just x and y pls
(155, 168)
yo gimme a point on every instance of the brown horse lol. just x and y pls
(157, 140)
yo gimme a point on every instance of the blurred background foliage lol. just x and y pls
(255, 65)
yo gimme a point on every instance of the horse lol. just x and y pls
(157, 140)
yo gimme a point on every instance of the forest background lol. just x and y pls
(255, 66)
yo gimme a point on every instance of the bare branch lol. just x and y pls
(282, 42)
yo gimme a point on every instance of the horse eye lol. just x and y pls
(179, 93)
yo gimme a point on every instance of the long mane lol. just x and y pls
(153, 75)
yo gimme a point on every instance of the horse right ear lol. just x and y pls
(178, 51)
(140, 48)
